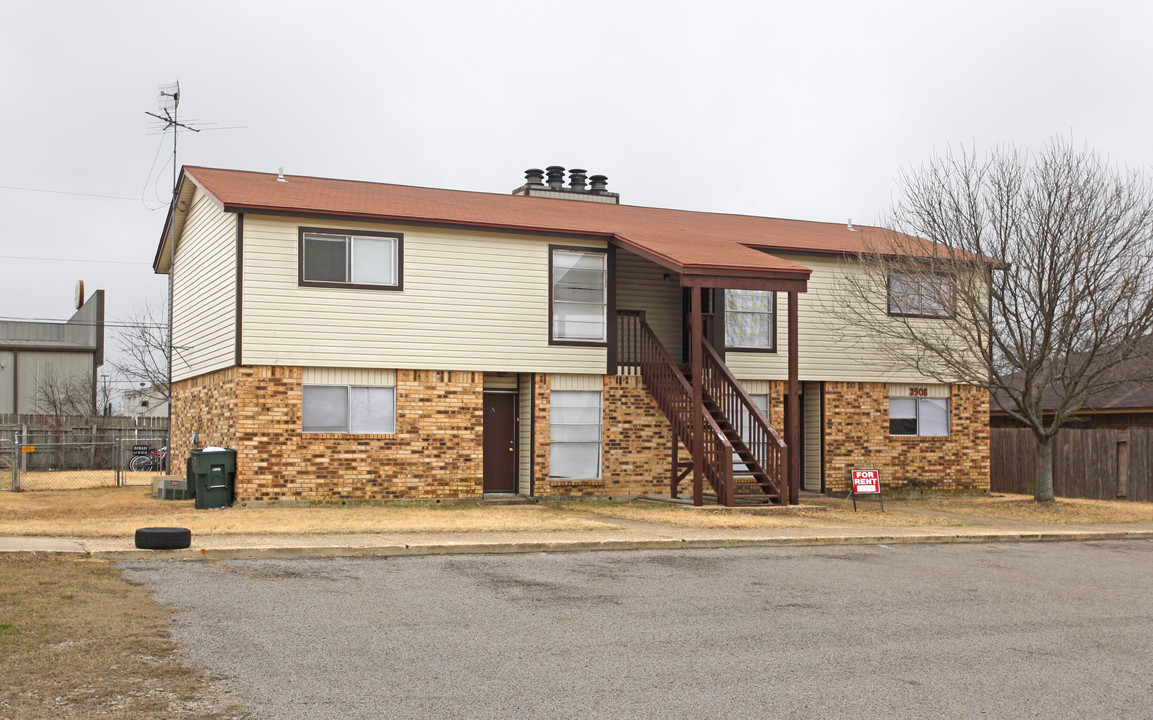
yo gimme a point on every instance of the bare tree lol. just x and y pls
(63, 396)
(142, 349)
(1028, 273)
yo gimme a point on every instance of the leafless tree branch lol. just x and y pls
(1045, 262)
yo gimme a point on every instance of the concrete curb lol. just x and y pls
(472, 548)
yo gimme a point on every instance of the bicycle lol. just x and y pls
(154, 461)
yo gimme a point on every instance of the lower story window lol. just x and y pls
(575, 435)
(349, 409)
(919, 416)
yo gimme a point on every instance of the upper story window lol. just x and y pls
(927, 295)
(579, 295)
(750, 320)
(361, 260)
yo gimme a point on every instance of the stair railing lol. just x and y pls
(640, 352)
(750, 424)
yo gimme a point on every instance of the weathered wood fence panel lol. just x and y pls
(1099, 464)
(1140, 470)
(1012, 468)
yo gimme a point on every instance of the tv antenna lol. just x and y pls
(169, 106)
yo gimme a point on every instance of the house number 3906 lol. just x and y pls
(918, 392)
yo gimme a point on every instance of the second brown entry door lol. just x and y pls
(499, 442)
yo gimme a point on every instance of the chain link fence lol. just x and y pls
(9, 453)
(52, 461)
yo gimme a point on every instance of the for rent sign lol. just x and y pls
(866, 482)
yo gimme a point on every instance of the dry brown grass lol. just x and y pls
(717, 518)
(117, 512)
(79, 641)
(1023, 508)
(75, 479)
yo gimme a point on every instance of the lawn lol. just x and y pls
(718, 518)
(79, 641)
(1022, 508)
(117, 512)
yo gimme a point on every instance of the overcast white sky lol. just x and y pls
(799, 110)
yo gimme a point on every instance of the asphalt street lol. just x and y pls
(1000, 630)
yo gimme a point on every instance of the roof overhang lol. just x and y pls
(174, 223)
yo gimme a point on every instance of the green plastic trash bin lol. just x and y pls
(212, 472)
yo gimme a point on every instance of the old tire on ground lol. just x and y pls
(163, 538)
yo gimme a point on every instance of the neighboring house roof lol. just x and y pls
(1132, 394)
(701, 243)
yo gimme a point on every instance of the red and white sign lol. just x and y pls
(866, 481)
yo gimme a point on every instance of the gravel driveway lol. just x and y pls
(1047, 630)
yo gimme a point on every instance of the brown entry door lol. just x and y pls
(499, 442)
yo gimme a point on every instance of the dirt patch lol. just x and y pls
(117, 512)
(720, 518)
(1022, 508)
(81, 641)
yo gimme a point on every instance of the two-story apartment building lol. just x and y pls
(358, 340)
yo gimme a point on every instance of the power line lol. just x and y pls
(68, 192)
(75, 260)
(77, 323)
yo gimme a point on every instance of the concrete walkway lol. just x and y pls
(628, 535)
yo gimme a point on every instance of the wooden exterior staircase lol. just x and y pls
(740, 452)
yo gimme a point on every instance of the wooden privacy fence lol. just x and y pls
(1096, 464)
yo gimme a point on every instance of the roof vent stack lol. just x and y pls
(555, 177)
(851, 224)
(550, 183)
(576, 179)
(280, 176)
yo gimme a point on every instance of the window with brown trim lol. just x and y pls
(578, 295)
(925, 295)
(751, 320)
(370, 260)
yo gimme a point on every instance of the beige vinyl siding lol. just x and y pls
(756, 387)
(524, 412)
(577, 382)
(34, 367)
(471, 301)
(811, 427)
(7, 383)
(369, 377)
(641, 285)
(822, 354)
(933, 390)
(204, 313)
(499, 381)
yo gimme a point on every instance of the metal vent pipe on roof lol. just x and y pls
(576, 179)
(598, 184)
(534, 177)
(555, 176)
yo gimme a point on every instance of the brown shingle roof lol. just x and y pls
(695, 242)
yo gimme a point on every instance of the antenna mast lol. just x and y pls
(169, 104)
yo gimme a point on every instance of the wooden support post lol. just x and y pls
(793, 421)
(673, 479)
(697, 351)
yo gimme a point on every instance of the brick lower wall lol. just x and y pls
(637, 444)
(857, 436)
(206, 405)
(436, 451)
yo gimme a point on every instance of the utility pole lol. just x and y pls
(169, 100)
